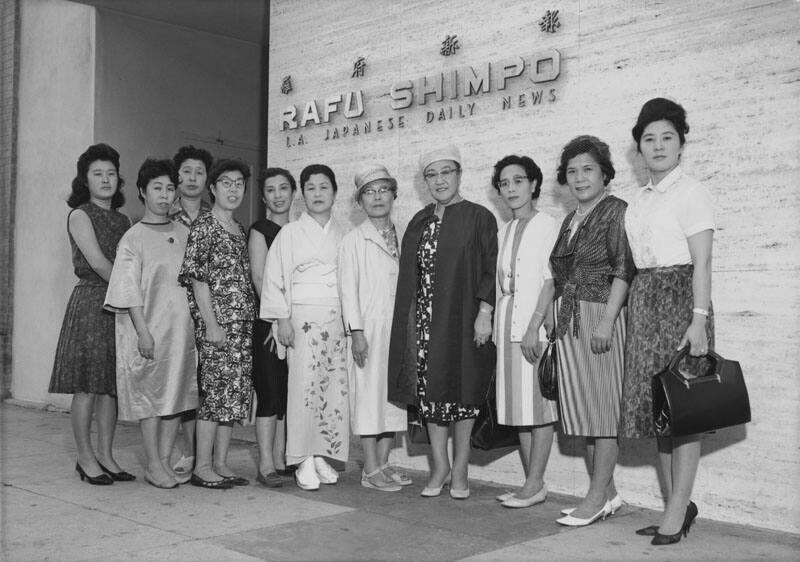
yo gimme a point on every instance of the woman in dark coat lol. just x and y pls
(441, 355)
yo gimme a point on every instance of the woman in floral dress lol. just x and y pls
(216, 273)
(441, 355)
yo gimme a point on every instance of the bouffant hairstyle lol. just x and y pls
(190, 152)
(594, 147)
(151, 169)
(532, 171)
(309, 171)
(273, 172)
(660, 109)
(227, 165)
(80, 183)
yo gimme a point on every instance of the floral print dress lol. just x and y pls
(220, 259)
(435, 412)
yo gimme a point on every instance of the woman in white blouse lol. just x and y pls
(670, 228)
(523, 314)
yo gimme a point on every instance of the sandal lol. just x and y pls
(395, 475)
(377, 481)
(185, 465)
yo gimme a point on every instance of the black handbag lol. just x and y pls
(417, 430)
(548, 369)
(685, 406)
(487, 433)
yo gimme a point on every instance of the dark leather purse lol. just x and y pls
(685, 406)
(417, 430)
(548, 369)
(487, 433)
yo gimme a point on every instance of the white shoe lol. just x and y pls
(325, 472)
(504, 497)
(616, 502)
(185, 465)
(306, 475)
(396, 475)
(516, 502)
(571, 521)
(377, 480)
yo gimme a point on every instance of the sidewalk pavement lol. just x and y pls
(47, 513)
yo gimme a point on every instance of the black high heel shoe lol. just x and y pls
(691, 514)
(649, 531)
(102, 480)
(120, 476)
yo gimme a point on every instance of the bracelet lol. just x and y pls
(535, 312)
(701, 311)
(484, 310)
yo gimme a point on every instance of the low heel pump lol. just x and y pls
(102, 480)
(662, 540)
(120, 476)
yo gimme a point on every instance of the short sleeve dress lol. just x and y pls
(220, 259)
(145, 275)
(85, 358)
(270, 372)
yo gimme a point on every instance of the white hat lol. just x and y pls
(371, 171)
(449, 152)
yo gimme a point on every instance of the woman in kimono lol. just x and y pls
(368, 267)
(270, 372)
(441, 355)
(156, 368)
(85, 361)
(216, 273)
(300, 296)
(524, 292)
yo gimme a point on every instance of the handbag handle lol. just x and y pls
(711, 376)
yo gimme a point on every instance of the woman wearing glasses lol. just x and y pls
(300, 296)
(441, 355)
(216, 273)
(524, 293)
(368, 267)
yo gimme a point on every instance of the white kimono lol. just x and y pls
(367, 285)
(300, 283)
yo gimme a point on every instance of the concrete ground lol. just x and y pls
(46, 513)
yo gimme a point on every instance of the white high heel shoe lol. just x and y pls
(570, 521)
(616, 503)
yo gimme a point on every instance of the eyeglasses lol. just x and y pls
(228, 183)
(371, 191)
(504, 184)
(445, 174)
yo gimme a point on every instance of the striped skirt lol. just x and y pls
(660, 305)
(590, 385)
(519, 400)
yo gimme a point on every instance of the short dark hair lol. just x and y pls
(227, 165)
(660, 109)
(151, 169)
(190, 152)
(80, 183)
(309, 171)
(586, 144)
(273, 172)
(532, 171)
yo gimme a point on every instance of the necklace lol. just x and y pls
(230, 223)
(581, 213)
(154, 223)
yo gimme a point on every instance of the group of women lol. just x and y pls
(339, 331)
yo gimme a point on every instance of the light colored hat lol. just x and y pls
(370, 172)
(448, 152)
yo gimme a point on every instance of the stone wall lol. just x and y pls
(732, 64)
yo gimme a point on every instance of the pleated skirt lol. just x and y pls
(590, 385)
